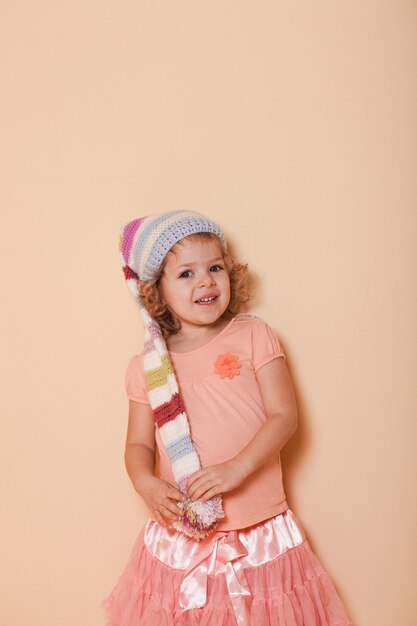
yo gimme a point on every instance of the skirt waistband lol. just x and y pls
(262, 542)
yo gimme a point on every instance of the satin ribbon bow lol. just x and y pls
(226, 548)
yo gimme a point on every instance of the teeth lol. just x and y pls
(206, 299)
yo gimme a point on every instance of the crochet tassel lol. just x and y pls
(198, 518)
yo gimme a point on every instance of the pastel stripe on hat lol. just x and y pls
(168, 411)
(154, 230)
(127, 237)
(150, 360)
(185, 466)
(142, 244)
(157, 377)
(180, 447)
(162, 394)
(170, 432)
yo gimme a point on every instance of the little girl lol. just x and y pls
(211, 391)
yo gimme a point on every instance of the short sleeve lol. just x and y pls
(135, 380)
(265, 344)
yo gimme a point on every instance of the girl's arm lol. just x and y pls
(159, 495)
(140, 443)
(280, 406)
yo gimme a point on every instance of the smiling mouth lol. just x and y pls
(206, 300)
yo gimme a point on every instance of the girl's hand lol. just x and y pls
(215, 479)
(161, 498)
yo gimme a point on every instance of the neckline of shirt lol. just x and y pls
(223, 330)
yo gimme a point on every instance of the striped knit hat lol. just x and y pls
(143, 245)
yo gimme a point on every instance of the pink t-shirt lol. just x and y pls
(225, 411)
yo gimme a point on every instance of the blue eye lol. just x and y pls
(187, 273)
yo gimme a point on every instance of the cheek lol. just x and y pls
(225, 290)
(226, 284)
(179, 293)
(169, 294)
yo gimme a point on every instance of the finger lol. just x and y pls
(198, 483)
(159, 518)
(195, 477)
(173, 508)
(201, 489)
(176, 495)
(168, 514)
(214, 491)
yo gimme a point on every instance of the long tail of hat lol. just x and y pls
(167, 404)
(197, 518)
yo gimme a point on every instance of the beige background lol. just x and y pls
(293, 124)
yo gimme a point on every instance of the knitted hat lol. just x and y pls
(143, 245)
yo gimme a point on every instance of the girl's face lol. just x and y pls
(196, 271)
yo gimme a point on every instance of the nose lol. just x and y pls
(207, 279)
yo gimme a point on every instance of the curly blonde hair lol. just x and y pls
(151, 295)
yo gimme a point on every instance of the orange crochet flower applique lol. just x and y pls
(227, 365)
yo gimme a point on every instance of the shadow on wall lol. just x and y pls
(291, 456)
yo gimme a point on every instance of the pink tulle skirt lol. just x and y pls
(264, 575)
